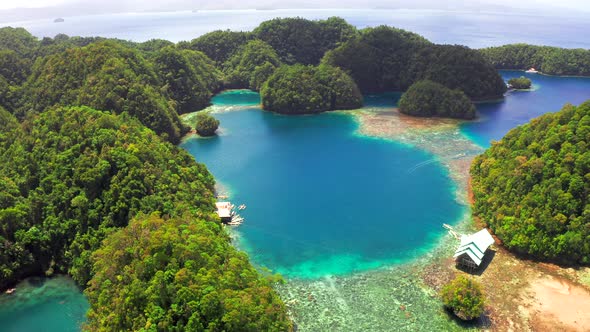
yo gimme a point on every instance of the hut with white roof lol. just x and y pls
(473, 248)
(224, 211)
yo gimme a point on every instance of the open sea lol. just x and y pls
(473, 29)
(322, 200)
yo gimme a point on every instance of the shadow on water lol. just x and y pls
(36, 281)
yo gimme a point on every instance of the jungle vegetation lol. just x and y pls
(533, 187)
(520, 83)
(90, 181)
(385, 59)
(427, 98)
(101, 197)
(205, 124)
(547, 59)
(298, 40)
(218, 45)
(250, 66)
(464, 297)
(309, 89)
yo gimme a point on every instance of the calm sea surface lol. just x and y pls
(549, 94)
(474, 29)
(321, 200)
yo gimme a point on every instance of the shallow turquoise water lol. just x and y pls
(322, 200)
(519, 107)
(375, 202)
(41, 305)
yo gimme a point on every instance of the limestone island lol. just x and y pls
(205, 124)
(548, 60)
(520, 83)
(377, 60)
(303, 89)
(427, 98)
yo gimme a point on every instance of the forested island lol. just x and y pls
(310, 89)
(427, 98)
(175, 79)
(387, 59)
(547, 59)
(520, 83)
(89, 162)
(532, 187)
(377, 59)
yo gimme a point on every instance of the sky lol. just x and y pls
(152, 4)
(24, 10)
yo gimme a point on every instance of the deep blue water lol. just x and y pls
(472, 28)
(549, 95)
(278, 232)
(322, 200)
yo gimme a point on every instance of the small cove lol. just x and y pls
(321, 199)
(360, 301)
(549, 94)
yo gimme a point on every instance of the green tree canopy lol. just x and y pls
(219, 45)
(533, 187)
(179, 274)
(76, 173)
(190, 77)
(251, 65)
(298, 40)
(205, 124)
(464, 296)
(62, 42)
(547, 59)
(520, 82)
(308, 89)
(387, 59)
(105, 75)
(18, 40)
(14, 68)
(72, 177)
(427, 98)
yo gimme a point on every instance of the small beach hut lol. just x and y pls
(473, 248)
(224, 210)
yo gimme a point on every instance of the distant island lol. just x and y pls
(58, 20)
(547, 59)
(520, 83)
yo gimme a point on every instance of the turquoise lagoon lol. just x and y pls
(322, 200)
(43, 305)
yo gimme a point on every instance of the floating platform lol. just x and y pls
(227, 214)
